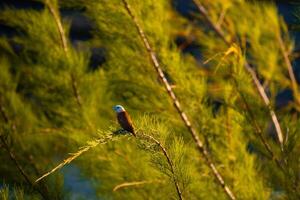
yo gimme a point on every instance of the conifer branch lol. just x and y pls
(2, 111)
(19, 167)
(90, 145)
(4, 115)
(13, 157)
(21, 170)
(171, 165)
(64, 45)
(134, 183)
(215, 27)
(59, 25)
(289, 66)
(257, 128)
(249, 69)
(266, 100)
(75, 90)
(177, 105)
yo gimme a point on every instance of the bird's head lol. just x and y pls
(118, 108)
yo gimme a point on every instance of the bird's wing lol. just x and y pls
(125, 121)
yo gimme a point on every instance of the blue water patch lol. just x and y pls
(78, 186)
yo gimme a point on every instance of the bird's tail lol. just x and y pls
(133, 133)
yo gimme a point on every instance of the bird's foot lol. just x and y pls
(121, 132)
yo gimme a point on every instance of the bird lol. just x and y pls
(124, 119)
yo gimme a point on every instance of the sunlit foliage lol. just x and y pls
(52, 102)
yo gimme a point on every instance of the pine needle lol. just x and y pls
(249, 69)
(90, 145)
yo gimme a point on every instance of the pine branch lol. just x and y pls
(13, 157)
(59, 25)
(90, 145)
(2, 111)
(171, 165)
(257, 128)
(134, 183)
(177, 105)
(21, 170)
(216, 28)
(251, 71)
(4, 115)
(289, 66)
(110, 137)
(75, 90)
(64, 45)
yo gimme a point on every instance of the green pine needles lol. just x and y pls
(208, 127)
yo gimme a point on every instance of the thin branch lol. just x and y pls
(171, 165)
(75, 90)
(59, 25)
(221, 18)
(90, 145)
(5, 117)
(266, 100)
(216, 28)
(251, 71)
(20, 169)
(176, 103)
(134, 183)
(12, 155)
(289, 68)
(13, 158)
(64, 45)
(2, 111)
(257, 128)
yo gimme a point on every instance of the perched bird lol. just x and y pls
(124, 119)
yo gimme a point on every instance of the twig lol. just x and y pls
(256, 81)
(59, 25)
(2, 111)
(172, 95)
(171, 165)
(257, 128)
(134, 183)
(64, 45)
(216, 28)
(289, 68)
(75, 90)
(91, 144)
(221, 18)
(5, 117)
(266, 100)
(13, 157)
(19, 167)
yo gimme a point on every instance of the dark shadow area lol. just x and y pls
(21, 4)
(97, 58)
(81, 27)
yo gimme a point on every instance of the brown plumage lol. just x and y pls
(125, 122)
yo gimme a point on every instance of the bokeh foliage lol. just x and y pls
(52, 102)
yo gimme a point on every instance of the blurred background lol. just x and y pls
(81, 32)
